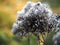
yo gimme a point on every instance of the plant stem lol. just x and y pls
(28, 38)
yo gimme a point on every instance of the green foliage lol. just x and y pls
(33, 40)
(3, 39)
(49, 37)
(53, 3)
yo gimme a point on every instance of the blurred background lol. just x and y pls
(8, 14)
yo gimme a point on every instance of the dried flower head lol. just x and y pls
(35, 18)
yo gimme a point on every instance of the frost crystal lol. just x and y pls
(34, 18)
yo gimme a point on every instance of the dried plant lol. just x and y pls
(35, 18)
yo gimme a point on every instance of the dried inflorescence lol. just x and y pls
(35, 18)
